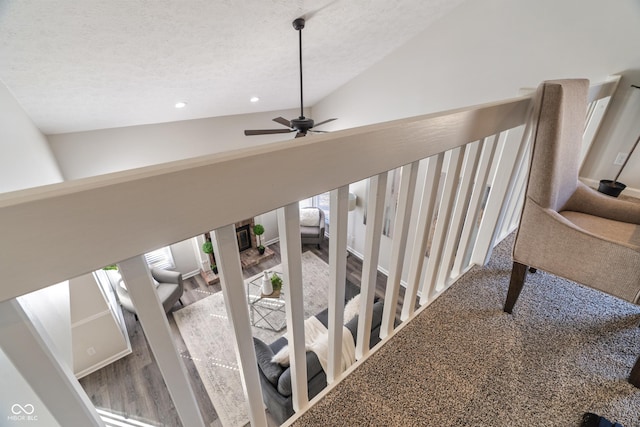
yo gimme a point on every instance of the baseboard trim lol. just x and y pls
(191, 274)
(104, 363)
(380, 269)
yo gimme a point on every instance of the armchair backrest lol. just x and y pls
(561, 107)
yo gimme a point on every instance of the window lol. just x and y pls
(161, 258)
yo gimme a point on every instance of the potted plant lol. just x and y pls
(614, 188)
(207, 248)
(258, 230)
(276, 282)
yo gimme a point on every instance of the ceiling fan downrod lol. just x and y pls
(298, 24)
(301, 125)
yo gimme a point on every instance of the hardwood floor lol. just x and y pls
(133, 386)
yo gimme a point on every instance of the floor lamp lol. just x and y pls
(614, 188)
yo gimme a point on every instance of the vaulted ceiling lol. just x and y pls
(78, 65)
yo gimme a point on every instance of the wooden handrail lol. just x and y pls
(85, 224)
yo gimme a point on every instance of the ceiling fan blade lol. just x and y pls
(321, 123)
(318, 131)
(266, 131)
(282, 121)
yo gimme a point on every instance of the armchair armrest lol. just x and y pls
(589, 201)
(166, 276)
(322, 223)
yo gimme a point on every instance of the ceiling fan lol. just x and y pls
(302, 124)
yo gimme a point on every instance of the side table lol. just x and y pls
(266, 311)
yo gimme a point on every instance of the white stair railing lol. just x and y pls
(88, 230)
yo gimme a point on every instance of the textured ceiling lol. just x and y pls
(86, 64)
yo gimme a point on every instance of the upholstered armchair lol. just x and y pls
(169, 286)
(567, 228)
(312, 226)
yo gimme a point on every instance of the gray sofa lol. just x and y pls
(276, 379)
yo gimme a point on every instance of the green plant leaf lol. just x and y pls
(207, 247)
(276, 282)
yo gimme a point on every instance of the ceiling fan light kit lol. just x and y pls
(302, 124)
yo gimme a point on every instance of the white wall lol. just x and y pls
(269, 221)
(91, 153)
(49, 310)
(619, 131)
(185, 258)
(26, 159)
(485, 51)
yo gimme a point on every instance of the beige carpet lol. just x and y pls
(204, 326)
(565, 350)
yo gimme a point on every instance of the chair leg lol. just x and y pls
(634, 376)
(180, 301)
(518, 274)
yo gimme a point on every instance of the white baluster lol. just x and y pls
(291, 252)
(423, 228)
(338, 277)
(430, 286)
(460, 211)
(375, 210)
(225, 245)
(398, 246)
(479, 190)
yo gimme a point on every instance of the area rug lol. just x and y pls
(204, 326)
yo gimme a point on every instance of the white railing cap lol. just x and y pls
(60, 231)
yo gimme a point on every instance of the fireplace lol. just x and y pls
(247, 246)
(244, 233)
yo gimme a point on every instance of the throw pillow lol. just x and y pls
(351, 309)
(309, 217)
(271, 371)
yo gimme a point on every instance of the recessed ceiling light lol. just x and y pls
(254, 99)
(181, 104)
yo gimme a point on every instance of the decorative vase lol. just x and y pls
(261, 250)
(267, 287)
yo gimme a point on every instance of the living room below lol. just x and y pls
(133, 385)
